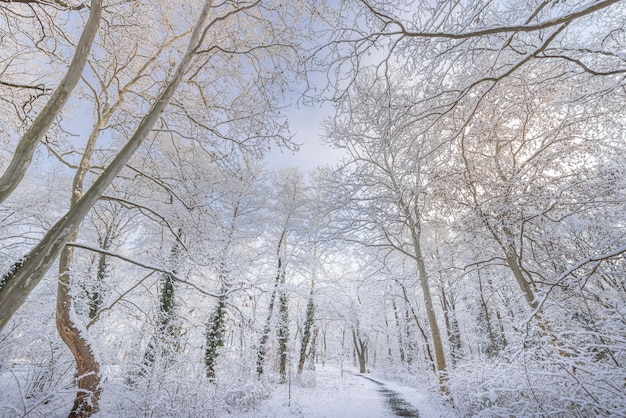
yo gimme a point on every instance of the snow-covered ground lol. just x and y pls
(327, 392)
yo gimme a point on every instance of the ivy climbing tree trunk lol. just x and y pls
(95, 295)
(165, 339)
(215, 328)
(216, 323)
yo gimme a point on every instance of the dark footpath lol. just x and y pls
(399, 406)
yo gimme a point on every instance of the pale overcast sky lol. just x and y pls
(305, 123)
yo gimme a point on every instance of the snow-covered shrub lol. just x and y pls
(242, 394)
(538, 382)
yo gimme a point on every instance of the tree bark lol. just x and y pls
(87, 398)
(25, 149)
(308, 324)
(419, 326)
(95, 294)
(483, 302)
(360, 347)
(165, 340)
(313, 348)
(283, 332)
(399, 330)
(452, 326)
(270, 310)
(440, 357)
(215, 335)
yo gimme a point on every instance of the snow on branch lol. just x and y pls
(140, 264)
(596, 260)
(591, 7)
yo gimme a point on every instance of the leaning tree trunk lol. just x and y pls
(26, 273)
(440, 358)
(25, 149)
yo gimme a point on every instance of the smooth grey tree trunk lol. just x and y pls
(25, 149)
(440, 358)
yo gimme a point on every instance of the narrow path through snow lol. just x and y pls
(335, 392)
(398, 405)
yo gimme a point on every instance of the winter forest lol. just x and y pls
(468, 248)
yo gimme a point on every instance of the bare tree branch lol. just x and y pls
(591, 7)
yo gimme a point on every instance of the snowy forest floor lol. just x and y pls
(327, 392)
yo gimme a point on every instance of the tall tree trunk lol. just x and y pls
(215, 328)
(94, 295)
(452, 326)
(313, 349)
(26, 273)
(428, 304)
(25, 149)
(308, 324)
(483, 303)
(419, 326)
(388, 340)
(411, 344)
(399, 328)
(88, 369)
(412, 216)
(283, 331)
(87, 398)
(324, 346)
(165, 339)
(360, 348)
(503, 342)
(262, 351)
